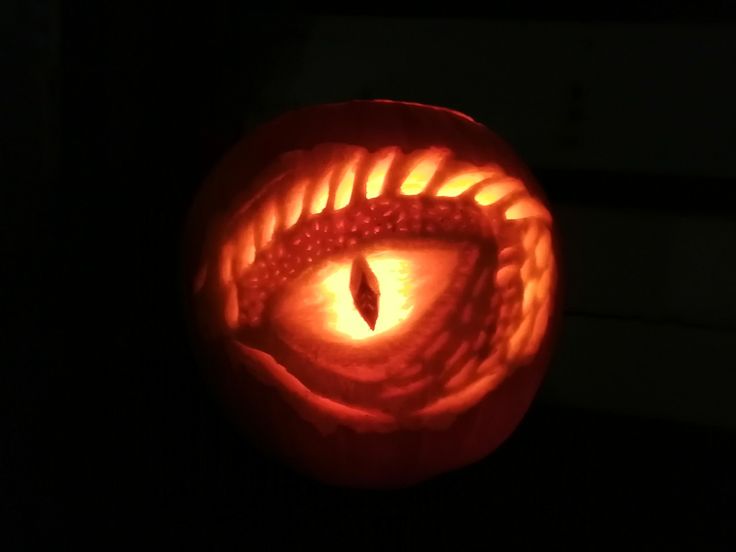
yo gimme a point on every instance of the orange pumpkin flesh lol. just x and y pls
(374, 283)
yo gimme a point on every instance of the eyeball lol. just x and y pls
(374, 285)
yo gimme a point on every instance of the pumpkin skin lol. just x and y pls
(465, 256)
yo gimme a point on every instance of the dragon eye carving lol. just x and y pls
(384, 279)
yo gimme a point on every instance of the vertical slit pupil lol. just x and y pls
(365, 291)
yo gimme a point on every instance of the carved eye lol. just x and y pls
(380, 289)
(364, 298)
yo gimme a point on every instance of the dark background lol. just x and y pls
(114, 115)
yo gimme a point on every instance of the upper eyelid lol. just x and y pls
(388, 171)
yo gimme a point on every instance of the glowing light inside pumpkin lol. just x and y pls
(526, 208)
(294, 204)
(462, 182)
(268, 225)
(410, 280)
(245, 250)
(394, 275)
(492, 193)
(377, 177)
(320, 195)
(416, 181)
(345, 187)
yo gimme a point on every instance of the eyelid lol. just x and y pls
(432, 171)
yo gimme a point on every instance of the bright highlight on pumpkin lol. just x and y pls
(461, 183)
(320, 195)
(416, 181)
(410, 280)
(345, 186)
(395, 302)
(377, 177)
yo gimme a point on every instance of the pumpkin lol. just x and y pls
(374, 285)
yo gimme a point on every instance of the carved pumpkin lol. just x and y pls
(374, 283)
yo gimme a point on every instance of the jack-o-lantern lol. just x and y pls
(375, 284)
